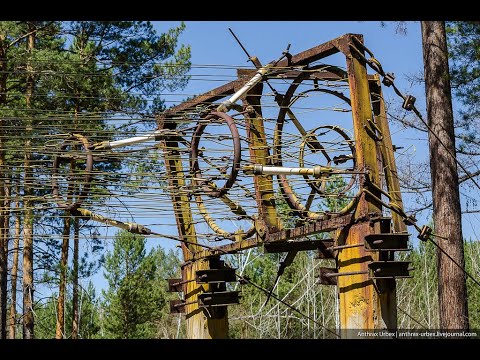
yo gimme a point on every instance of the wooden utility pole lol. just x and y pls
(447, 218)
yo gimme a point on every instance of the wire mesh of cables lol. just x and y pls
(131, 184)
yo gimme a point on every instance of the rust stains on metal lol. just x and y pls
(199, 324)
(303, 245)
(324, 279)
(311, 228)
(387, 152)
(259, 154)
(387, 241)
(303, 58)
(227, 249)
(363, 246)
(175, 285)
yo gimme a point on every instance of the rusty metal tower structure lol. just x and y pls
(363, 235)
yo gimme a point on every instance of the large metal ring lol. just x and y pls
(313, 183)
(83, 193)
(194, 166)
(291, 199)
(210, 188)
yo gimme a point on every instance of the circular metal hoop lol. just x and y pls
(210, 188)
(313, 183)
(237, 153)
(290, 197)
(83, 193)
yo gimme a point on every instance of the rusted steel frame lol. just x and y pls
(86, 179)
(259, 154)
(303, 58)
(290, 197)
(280, 236)
(206, 98)
(227, 249)
(303, 245)
(335, 74)
(180, 201)
(387, 152)
(358, 288)
(362, 307)
(312, 228)
(318, 52)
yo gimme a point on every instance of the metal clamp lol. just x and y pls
(409, 102)
(425, 233)
(388, 79)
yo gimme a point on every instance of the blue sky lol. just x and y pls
(212, 44)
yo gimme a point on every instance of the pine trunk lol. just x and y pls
(28, 290)
(60, 328)
(452, 291)
(3, 253)
(5, 236)
(16, 243)
(7, 204)
(75, 321)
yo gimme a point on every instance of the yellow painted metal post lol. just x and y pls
(361, 307)
(388, 154)
(259, 154)
(199, 323)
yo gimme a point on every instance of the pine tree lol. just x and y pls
(133, 301)
(464, 55)
(447, 216)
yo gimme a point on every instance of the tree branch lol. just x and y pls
(29, 33)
